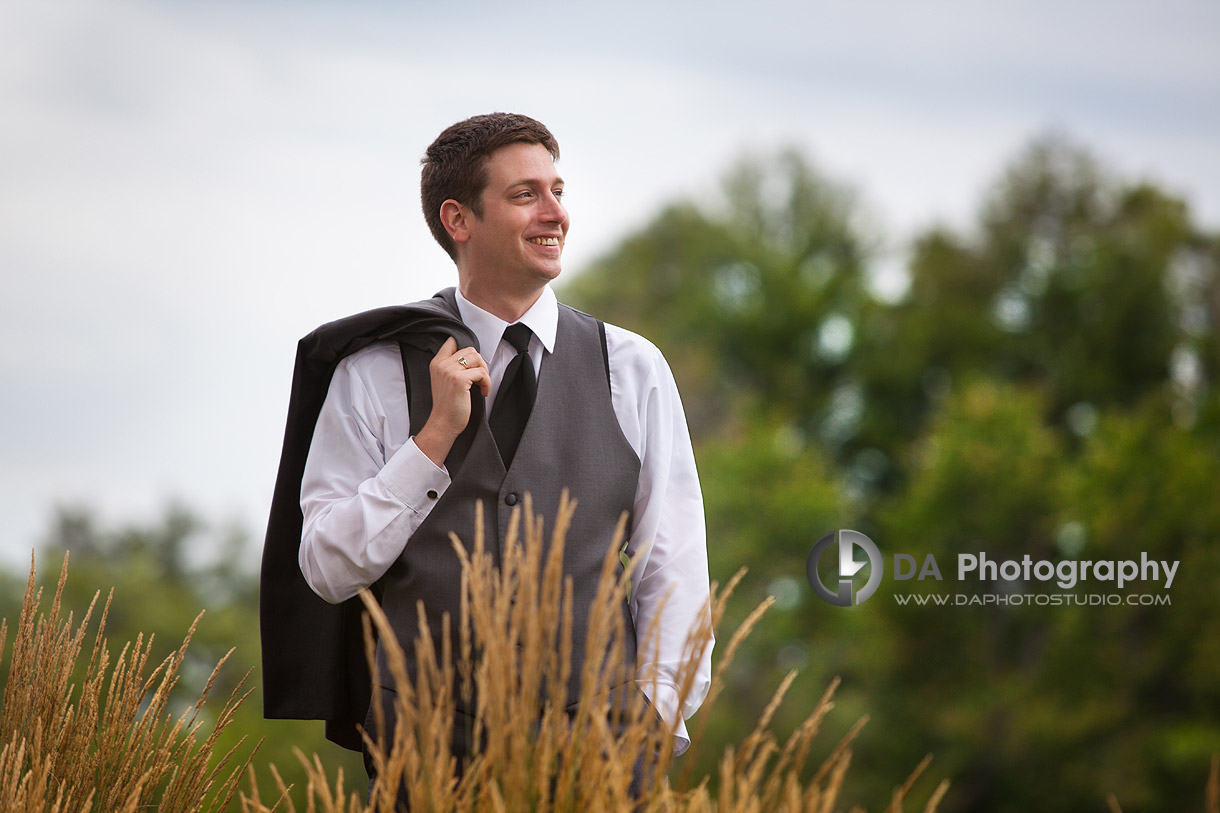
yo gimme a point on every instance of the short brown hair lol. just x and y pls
(455, 165)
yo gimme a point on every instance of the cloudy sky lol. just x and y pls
(188, 186)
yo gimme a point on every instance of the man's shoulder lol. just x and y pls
(628, 340)
(632, 343)
(632, 354)
(371, 361)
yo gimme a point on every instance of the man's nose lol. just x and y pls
(552, 209)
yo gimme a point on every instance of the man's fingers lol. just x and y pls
(463, 364)
(468, 359)
(483, 380)
(475, 373)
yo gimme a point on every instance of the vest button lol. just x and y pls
(511, 499)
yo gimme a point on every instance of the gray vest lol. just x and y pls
(573, 440)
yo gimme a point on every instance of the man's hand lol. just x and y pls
(453, 373)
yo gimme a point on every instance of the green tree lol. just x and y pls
(1096, 290)
(1089, 699)
(982, 480)
(753, 301)
(1146, 482)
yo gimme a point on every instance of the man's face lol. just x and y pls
(517, 243)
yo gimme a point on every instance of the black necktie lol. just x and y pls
(516, 396)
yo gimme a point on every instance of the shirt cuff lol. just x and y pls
(412, 477)
(664, 700)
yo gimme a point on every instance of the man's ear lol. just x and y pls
(456, 219)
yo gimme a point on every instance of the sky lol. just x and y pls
(189, 186)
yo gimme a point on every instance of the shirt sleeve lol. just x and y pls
(367, 487)
(670, 586)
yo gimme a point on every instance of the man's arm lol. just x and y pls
(367, 485)
(669, 591)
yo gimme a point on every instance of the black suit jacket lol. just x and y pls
(314, 665)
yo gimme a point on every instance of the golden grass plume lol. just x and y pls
(105, 741)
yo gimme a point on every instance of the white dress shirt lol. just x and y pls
(366, 485)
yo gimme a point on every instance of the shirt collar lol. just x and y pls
(542, 318)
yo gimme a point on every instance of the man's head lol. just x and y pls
(455, 165)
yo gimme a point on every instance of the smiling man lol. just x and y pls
(484, 393)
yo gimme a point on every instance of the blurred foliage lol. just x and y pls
(752, 302)
(1045, 386)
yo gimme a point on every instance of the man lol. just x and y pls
(413, 432)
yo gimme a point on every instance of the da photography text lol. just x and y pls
(853, 552)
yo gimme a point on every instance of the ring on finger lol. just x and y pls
(462, 361)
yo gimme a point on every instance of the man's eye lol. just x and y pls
(557, 193)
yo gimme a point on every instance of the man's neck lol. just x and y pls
(509, 306)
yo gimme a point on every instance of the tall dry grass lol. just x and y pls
(103, 739)
(97, 736)
(514, 642)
